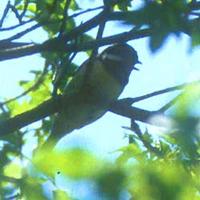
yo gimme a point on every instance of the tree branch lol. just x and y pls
(5, 12)
(121, 107)
(58, 45)
(136, 129)
(138, 114)
(130, 101)
(52, 106)
(22, 33)
(65, 17)
(45, 109)
(17, 25)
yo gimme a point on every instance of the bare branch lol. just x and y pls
(130, 101)
(22, 33)
(52, 106)
(15, 11)
(26, 2)
(58, 45)
(9, 45)
(85, 11)
(170, 104)
(121, 108)
(43, 110)
(5, 12)
(107, 10)
(56, 21)
(65, 17)
(18, 25)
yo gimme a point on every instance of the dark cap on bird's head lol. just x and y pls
(119, 60)
(122, 55)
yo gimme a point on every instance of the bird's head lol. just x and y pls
(120, 60)
(121, 55)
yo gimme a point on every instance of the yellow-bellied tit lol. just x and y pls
(97, 83)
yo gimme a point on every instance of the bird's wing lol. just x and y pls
(69, 118)
(77, 82)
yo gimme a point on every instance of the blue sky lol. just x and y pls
(175, 63)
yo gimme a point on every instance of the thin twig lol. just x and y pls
(22, 33)
(60, 73)
(170, 104)
(25, 9)
(100, 33)
(7, 45)
(136, 129)
(130, 101)
(65, 17)
(122, 109)
(85, 11)
(52, 44)
(15, 12)
(44, 23)
(95, 49)
(174, 100)
(5, 12)
(18, 25)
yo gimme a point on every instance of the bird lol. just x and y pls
(96, 85)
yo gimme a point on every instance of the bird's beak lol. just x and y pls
(135, 68)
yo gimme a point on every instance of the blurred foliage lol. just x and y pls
(35, 96)
(150, 167)
(140, 171)
(164, 18)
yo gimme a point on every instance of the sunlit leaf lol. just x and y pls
(35, 97)
(161, 181)
(31, 189)
(129, 152)
(13, 170)
(189, 100)
(60, 195)
(75, 163)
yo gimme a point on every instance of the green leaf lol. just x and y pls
(161, 181)
(13, 170)
(31, 189)
(74, 5)
(35, 97)
(60, 195)
(74, 163)
(123, 4)
(128, 152)
(147, 137)
(111, 182)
